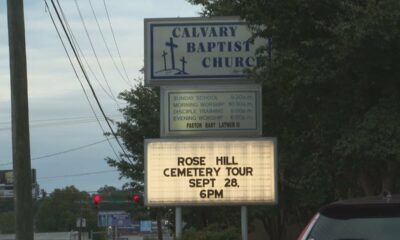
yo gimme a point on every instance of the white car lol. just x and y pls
(369, 218)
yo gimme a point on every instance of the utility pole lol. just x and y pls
(20, 122)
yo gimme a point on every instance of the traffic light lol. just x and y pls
(136, 198)
(96, 200)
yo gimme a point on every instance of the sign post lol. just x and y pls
(178, 222)
(244, 223)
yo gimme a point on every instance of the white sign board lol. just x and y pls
(7, 184)
(181, 49)
(211, 110)
(210, 171)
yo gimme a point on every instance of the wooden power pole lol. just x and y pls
(20, 122)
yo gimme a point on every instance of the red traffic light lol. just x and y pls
(96, 199)
(136, 198)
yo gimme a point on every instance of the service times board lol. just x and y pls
(211, 110)
(210, 171)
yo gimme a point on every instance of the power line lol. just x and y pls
(80, 52)
(84, 73)
(61, 152)
(62, 123)
(90, 85)
(115, 41)
(78, 174)
(94, 51)
(69, 150)
(60, 119)
(106, 45)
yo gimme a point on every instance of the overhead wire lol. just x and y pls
(90, 85)
(61, 122)
(106, 45)
(75, 118)
(86, 77)
(77, 174)
(60, 152)
(69, 150)
(94, 51)
(115, 41)
(83, 88)
(80, 52)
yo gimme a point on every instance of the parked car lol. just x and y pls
(369, 218)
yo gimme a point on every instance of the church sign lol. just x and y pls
(202, 49)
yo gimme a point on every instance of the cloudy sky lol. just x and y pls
(67, 142)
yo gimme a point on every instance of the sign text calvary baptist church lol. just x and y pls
(198, 49)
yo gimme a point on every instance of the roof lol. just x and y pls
(363, 206)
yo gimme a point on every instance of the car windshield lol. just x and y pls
(357, 223)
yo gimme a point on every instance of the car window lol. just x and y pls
(360, 223)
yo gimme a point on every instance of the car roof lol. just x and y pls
(381, 200)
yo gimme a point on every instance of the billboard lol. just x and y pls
(210, 171)
(7, 184)
(216, 110)
(199, 49)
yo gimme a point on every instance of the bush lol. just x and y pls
(211, 233)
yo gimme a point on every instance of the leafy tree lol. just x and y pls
(212, 232)
(331, 96)
(141, 120)
(7, 223)
(6, 204)
(60, 210)
(107, 189)
(207, 218)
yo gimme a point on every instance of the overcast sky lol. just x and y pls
(67, 143)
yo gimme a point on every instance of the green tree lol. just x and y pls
(60, 210)
(212, 232)
(141, 120)
(331, 95)
(7, 223)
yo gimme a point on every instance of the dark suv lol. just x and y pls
(370, 218)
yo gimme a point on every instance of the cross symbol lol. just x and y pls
(164, 54)
(183, 64)
(171, 45)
